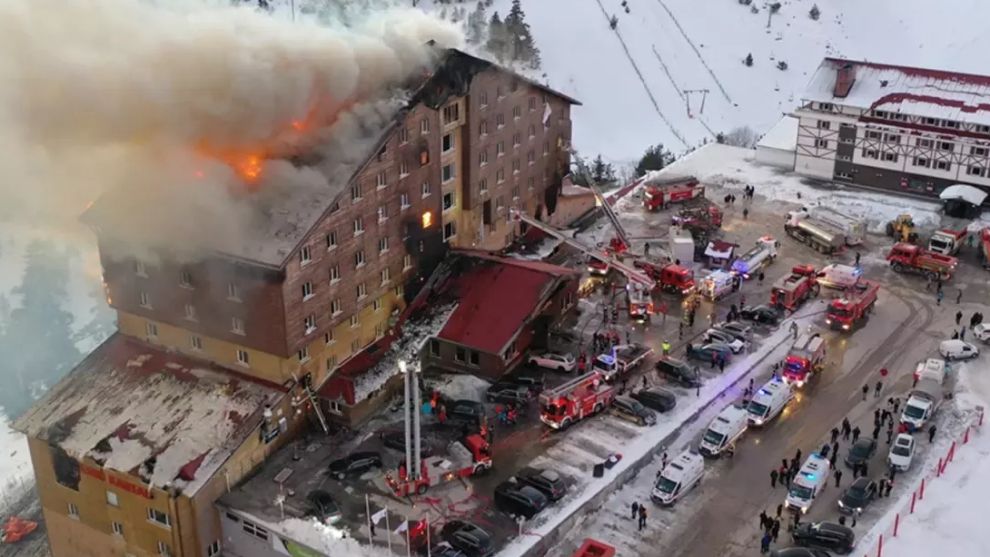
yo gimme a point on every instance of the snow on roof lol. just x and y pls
(930, 93)
(783, 135)
(969, 194)
(415, 334)
(128, 402)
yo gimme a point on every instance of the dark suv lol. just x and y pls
(516, 499)
(548, 482)
(468, 537)
(796, 552)
(354, 464)
(825, 535)
(465, 411)
(678, 372)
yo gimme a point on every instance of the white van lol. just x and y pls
(769, 401)
(809, 482)
(717, 284)
(728, 426)
(678, 477)
(932, 368)
(839, 276)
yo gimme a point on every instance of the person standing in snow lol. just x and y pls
(838, 477)
(745, 213)
(938, 297)
(846, 429)
(765, 542)
(931, 433)
(876, 391)
(958, 299)
(857, 259)
(775, 530)
(635, 509)
(642, 517)
(866, 391)
(855, 433)
(958, 316)
(773, 478)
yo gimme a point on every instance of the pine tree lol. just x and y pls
(476, 25)
(815, 13)
(522, 47)
(602, 173)
(37, 340)
(655, 158)
(498, 40)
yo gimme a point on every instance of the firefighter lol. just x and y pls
(665, 347)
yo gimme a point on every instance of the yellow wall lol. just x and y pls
(269, 366)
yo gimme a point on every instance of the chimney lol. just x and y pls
(845, 76)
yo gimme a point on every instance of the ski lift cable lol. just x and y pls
(695, 48)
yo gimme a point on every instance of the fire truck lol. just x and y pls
(805, 358)
(662, 191)
(703, 216)
(985, 244)
(854, 306)
(792, 290)
(620, 360)
(947, 241)
(575, 400)
(904, 257)
(757, 258)
(640, 301)
(669, 277)
(467, 457)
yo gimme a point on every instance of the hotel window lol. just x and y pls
(451, 113)
(447, 174)
(310, 324)
(382, 213)
(516, 139)
(923, 162)
(381, 180)
(399, 290)
(356, 192)
(821, 143)
(355, 321)
(532, 104)
(243, 358)
(449, 231)
(196, 342)
(403, 169)
(499, 93)
(943, 165)
(873, 135)
(483, 185)
(424, 126)
(945, 146)
(190, 312)
(925, 143)
(379, 331)
(151, 329)
(890, 157)
(532, 130)
(335, 307)
(499, 120)
(328, 337)
(824, 124)
(255, 530)
(359, 259)
(531, 157)
(404, 201)
(118, 528)
(406, 262)
(331, 240)
(869, 154)
(358, 226)
(304, 255)
(483, 128)
(237, 325)
(515, 193)
(145, 300)
(426, 189)
(213, 550)
(483, 157)
(140, 269)
(307, 290)
(976, 170)
(483, 99)
(73, 511)
(499, 176)
(386, 275)
(377, 304)
(447, 143)
(448, 200)
(362, 291)
(383, 244)
(978, 151)
(164, 550)
(892, 138)
(515, 166)
(233, 292)
(516, 112)
(303, 354)
(331, 363)
(546, 148)
(185, 279)
(403, 135)
(158, 517)
(334, 274)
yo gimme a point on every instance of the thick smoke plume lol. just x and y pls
(170, 114)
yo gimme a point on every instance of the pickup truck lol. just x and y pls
(621, 360)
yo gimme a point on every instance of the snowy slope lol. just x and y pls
(15, 462)
(583, 57)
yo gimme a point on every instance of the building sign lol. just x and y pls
(129, 487)
(93, 472)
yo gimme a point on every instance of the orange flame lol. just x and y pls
(249, 167)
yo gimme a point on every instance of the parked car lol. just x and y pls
(554, 360)
(858, 496)
(465, 411)
(467, 537)
(354, 464)
(630, 409)
(534, 381)
(323, 506)
(516, 499)
(953, 350)
(548, 482)
(707, 352)
(718, 336)
(796, 552)
(824, 535)
(764, 315)
(861, 451)
(981, 332)
(444, 549)
(678, 371)
(660, 400)
(737, 329)
(508, 392)
(901, 452)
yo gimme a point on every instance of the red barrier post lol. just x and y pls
(966, 436)
(880, 546)
(914, 498)
(981, 418)
(922, 494)
(952, 451)
(938, 471)
(897, 523)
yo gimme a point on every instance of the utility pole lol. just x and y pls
(687, 100)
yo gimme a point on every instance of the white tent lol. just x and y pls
(969, 194)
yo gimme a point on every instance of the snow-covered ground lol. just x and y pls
(949, 518)
(15, 463)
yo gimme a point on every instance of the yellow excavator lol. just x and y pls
(902, 229)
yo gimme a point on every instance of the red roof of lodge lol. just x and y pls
(496, 300)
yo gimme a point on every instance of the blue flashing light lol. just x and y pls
(809, 475)
(764, 392)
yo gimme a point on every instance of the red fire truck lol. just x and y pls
(575, 400)
(660, 192)
(790, 291)
(806, 357)
(640, 302)
(854, 306)
(467, 457)
(704, 216)
(670, 278)
(985, 244)
(904, 257)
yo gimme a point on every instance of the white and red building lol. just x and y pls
(894, 127)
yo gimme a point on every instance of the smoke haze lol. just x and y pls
(174, 102)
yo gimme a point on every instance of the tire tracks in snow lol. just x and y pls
(642, 79)
(695, 48)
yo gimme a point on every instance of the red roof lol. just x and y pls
(919, 72)
(496, 300)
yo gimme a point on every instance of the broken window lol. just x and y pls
(66, 468)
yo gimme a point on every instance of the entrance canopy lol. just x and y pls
(963, 192)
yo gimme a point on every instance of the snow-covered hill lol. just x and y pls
(583, 57)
